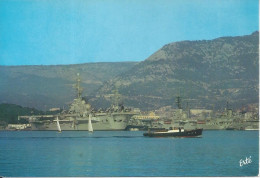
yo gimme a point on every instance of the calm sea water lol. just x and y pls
(125, 153)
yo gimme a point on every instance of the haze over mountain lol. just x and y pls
(44, 87)
(205, 73)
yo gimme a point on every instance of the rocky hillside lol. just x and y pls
(206, 73)
(44, 87)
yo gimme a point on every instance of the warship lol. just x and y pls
(228, 120)
(77, 117)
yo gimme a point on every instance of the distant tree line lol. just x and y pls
(9, 113)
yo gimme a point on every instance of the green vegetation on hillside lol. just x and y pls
(9, 113)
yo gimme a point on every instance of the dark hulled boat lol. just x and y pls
(175, 133)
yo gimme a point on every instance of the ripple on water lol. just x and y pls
(48, 154)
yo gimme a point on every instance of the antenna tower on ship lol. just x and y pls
(188, 109)
(178, 102)
(78, 88)
(116, 97)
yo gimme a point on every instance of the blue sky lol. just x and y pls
(36, 32)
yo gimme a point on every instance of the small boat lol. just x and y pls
(58, 125)
(90, 128)
(175, 133)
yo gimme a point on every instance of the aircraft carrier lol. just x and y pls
(78, 115)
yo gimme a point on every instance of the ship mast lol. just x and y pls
(78, 88)
(116, 97)
(178, 102)
(188, 109)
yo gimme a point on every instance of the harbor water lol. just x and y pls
(126, 153)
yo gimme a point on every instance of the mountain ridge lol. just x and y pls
(206, 73)
(207, 67)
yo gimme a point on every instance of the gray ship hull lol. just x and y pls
(100, 122)
(210, 126)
